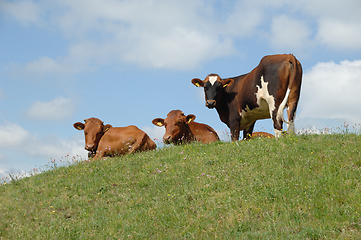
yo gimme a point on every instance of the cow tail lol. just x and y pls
(293, 69)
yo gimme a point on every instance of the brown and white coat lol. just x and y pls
(265, 92)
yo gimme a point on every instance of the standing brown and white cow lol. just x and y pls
(104, 140)
(180, 128)
(263, 93)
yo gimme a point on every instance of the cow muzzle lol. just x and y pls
(90, 147)
(167, 139)
(210, 103)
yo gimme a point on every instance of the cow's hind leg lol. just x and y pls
(291, 113)
(247, 133)
(148, 144)
(139, 143)
(277, 123)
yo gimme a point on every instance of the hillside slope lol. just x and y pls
(296, 187)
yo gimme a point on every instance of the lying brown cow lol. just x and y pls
(180, 128)
(104, 140)
(262, 134)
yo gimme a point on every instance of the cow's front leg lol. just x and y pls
(91, 154)
(99, 155)
(247, 132)
(235, 128)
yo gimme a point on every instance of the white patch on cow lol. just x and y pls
(266, 103)
(263, 93)
(212, 79)
(282, 107)
(278, 133)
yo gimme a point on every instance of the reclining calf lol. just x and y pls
(104, 140)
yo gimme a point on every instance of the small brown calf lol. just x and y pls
(104, 140)
(180, 128)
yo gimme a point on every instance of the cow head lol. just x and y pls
(176, 126)
(94, 129)
(213, 87)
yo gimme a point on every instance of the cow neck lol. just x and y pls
(222, 109)
(188, 135)
(99, 140)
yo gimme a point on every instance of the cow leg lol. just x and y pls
(247, 133)
(291, 126)
(99, 155)
(148, 144)
(277, 124)
(291, 113)
(91, 154)
(235, 128)
(139, 143)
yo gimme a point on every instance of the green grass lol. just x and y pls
(296, 187)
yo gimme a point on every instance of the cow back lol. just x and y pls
(261, 134)
(121, 140)
(203, 133)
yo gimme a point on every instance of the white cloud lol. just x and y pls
(55, 110)
(347, 10)
(154, 132)
(43, 65)
(12, 135)
(182, 34)
(338, 25)
(18, 146)
(340, 34)
(289, 34)
(242, 18)
(332, 91)
(53, 147)
(24, 11)
(80, 55)
(179, 49)
(16, 137)
(150, 34)
(4, 171)
(162, 34)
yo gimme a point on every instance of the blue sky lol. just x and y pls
(128, 62)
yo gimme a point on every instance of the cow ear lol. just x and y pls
(79, 126)
(158, 122)
(107, 127)
(227, 82)
(190, 118)
(197, 82)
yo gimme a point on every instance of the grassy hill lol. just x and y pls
(296, 187)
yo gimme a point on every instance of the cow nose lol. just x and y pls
(211, 103)
(89, 147)
(167, 139)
